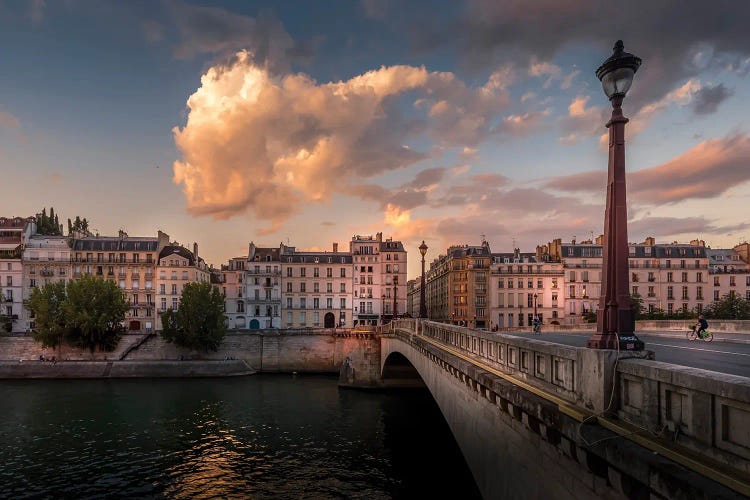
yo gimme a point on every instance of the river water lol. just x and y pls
(264, 436)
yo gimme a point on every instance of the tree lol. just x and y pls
(94, 310)
(47, 306)
(636, 305)
(199, 322)
(6, 322)
(730, 306)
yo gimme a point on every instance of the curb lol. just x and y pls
(668, 335)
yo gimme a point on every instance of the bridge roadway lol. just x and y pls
(718, 356)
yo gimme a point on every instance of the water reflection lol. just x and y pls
(257, 437)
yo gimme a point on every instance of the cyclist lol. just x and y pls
(701, 326)
(537, 324)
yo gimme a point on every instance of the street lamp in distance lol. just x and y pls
(422, 301)
(535, 297)
(615, 323)
(382, 310)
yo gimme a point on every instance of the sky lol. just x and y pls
(306, 123)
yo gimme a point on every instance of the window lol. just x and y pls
(303, 271)
(554, 282)
(316, 287)
(329, 272)
(635, 290)
(163, 304)
(539, 283)
(162, 288)
(302, 288)
(670, 308)
(329, 303)
(316, 272)
(716, 295)
(684, 277)
(572, 290)
(289, 287)
(303, 303)
(174, 289)
(136, 285)
(240, 306)
(684, 293)
(669, 277)
(731, 281)
(174, 275)
(122, 284)
(343, 304)
(316, 303)
(288, 302)
(634, 277)
(329, 287)
(501, 283)
(343, 288)
(699, 278)
(716, 281)
(174, 303)
(699, 293)
(148, 285)
(185, 275)
(670, 293)
(343, 272)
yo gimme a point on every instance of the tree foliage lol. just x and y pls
(88, 313)
(730, 306)
(48, 225)
(6, 322)
(199, 322)
(79, 225)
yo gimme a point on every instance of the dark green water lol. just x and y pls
(251, 437)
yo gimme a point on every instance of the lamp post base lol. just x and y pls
(610, 341)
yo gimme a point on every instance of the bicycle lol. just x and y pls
(537, 328)
(705, 335)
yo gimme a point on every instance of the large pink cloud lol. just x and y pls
(267, 143)
(705, 171)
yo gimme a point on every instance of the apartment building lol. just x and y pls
(378, 279)
(521, 286)
(316, 288)
(14, 234)
(728, 273)
(176, 266)
(46, 259)
(128, 261)
(233, 287)
(456, 286)
(263, 287)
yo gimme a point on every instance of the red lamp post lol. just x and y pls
(422, 301)
(615, 325)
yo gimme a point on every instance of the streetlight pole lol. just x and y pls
(615, 324)
(535, 296)
(382, 310)
(422, 301)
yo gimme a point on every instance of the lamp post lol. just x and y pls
(422, 302)
(382, 310)
(535, 297)
(615, 323)
(395, 304)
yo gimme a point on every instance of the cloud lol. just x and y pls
(707, 170)
(268, 143)
(216, 31)
(676, 226)
(9, 121)
(567, 81)
(544, 69)
(489, 31)
(523, 124)
(707, 99)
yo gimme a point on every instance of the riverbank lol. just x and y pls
(123, 369)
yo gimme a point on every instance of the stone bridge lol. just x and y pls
(541, 420)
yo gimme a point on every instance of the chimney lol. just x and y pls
(162, 239)
(650, 241)
(379, 236)
(195, 250)
(122, 234)
(335, 247)
(600, 239)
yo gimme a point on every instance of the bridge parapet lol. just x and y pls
(577, 375)
(705, 411)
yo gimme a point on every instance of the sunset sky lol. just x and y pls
(309, 122)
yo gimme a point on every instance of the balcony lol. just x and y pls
(47, 272)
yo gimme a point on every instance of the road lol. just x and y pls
(721, 357)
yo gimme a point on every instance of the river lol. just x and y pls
(264, 436)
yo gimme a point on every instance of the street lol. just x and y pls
(725, 357)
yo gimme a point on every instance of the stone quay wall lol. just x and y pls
(122, 369)
(308, 350)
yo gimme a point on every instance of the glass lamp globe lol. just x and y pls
(617, 72)
(423, 248)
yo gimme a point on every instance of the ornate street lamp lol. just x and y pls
(535, 296)
(422, 301)
(615, 323)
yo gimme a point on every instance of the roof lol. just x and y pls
(262, 254)
(659, 251)
(322, 257)
(170, 250)
(14, 222)
(391, 246)
(115, 244)
(466, 251)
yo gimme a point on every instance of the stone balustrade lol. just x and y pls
(705, 411)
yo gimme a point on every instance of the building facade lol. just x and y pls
(46, 259)
(233, 287)
(316, 289)
(378, 279)
(263, 287)
(14, 234)
(176, 266)
(128, 261)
